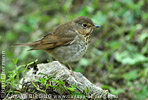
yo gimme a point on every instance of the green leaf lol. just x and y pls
(42, 80)
(15, 61)
(130, 58)
(61, 82)
(142, 37)
(131, 75)
(84, 62)
(71, 89)
(116, 91)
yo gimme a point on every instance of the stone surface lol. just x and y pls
(62, 72)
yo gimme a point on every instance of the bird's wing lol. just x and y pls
(62, 35)
(52, 40)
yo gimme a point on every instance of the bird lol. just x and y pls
(67, 42)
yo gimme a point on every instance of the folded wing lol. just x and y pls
(51, 41)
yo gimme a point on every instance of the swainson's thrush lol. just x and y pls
(68, 42)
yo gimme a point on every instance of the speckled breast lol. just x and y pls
(72, 52)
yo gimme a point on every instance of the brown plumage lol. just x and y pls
(68, 42)
(52, 40)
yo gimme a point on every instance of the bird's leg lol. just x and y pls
(70, 69)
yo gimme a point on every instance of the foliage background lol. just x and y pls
(117, 58)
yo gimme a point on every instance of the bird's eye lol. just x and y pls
(84, 25)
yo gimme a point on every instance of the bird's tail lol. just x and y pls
(21, 44)
(31, 44)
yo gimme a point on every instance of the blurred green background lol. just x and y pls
(117, 58)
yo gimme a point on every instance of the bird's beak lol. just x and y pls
(95, 26)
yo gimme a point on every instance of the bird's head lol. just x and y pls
(84, 25)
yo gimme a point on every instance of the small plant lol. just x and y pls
(49, 82)
(12, 82)
(46, 84)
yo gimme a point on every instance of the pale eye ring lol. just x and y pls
(84, 25)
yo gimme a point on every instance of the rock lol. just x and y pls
(61, 72)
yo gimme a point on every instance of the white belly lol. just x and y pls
(70, 53)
